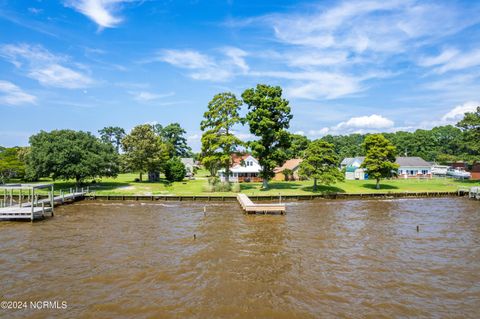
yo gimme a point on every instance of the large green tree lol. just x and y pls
(470, 125)
(145, 151)
(175, 170)
(346, 145)
(174, 137)
(11, 164)
(268, 118)
(218, 139)
(68, 154)
(379, 157)
(298, 145)
(321, 163)
(112, 135)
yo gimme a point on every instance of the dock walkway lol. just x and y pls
(35, 207)
(250, 207)
(474, 193)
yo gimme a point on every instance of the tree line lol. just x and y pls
(78, 155)
(153, 149)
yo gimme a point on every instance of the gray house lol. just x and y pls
(413, 167)
(189, 165)
(409, 167)
(351, 165)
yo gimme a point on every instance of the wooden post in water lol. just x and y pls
(33, 201)
(52, 199)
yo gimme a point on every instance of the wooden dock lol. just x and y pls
(62, 198)
(474, 193)
(29, 213)
(34, 207)
(250, 207)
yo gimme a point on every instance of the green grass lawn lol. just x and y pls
(125, 184)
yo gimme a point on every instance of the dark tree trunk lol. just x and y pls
(153, 176)
(314, 184)
(378, 184)
(227, 174)
(141, 175)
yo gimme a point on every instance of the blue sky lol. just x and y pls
(345, 66)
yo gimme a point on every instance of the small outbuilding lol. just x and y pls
(288, 171)
(190, 166)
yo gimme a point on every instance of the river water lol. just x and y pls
(324, 259)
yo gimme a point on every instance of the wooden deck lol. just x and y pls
(474, 193)
(250, 207)
(15, 212)
(40, 208)
(59, 199)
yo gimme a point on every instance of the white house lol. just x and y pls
(189, 166)
(413, 167)
(352, 168)
(352, 162)
(245, 168)
(409, 167)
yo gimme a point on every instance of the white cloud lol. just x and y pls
(457, 113)
(461, 61)
(194, 137)
(362, 124)
(204, 67)
(102, 12)
(451, 60)
(45, 67)
(13, 95)
(372, 25)
(187, 59)
(237, 57)
(59, 76)
(316, 58)
(145, 96)
(442, 58)
(320, 132)
(373, 121)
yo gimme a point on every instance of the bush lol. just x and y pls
(214, 185)
(236, 187)
(223, 187)
(175, 170)
(208, 188)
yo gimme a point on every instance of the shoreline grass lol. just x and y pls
(125, 184)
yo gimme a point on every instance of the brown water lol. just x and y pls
(329, 259)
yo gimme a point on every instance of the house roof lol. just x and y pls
(289, 164)
(238, 158)
(348, 161)
(412, 161)
(238, 168)
(402, 161)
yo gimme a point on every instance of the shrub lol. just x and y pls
(236, 187)
(223, 187)
(208, 188)
(214, 185)
(175, 170)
